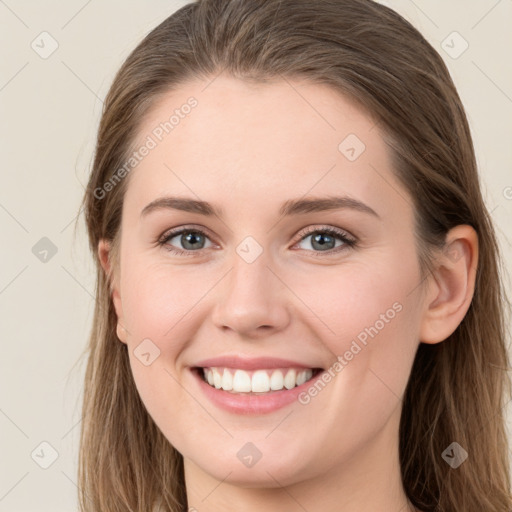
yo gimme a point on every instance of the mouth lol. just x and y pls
(255, 382)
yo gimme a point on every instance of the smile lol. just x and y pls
(258, 381)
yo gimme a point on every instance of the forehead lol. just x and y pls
(246, 143)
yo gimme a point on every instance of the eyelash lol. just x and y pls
(341, 235)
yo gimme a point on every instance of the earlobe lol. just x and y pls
(452, 285)
(121, 332)
(104, 256)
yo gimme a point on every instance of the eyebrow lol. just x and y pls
(290, 207)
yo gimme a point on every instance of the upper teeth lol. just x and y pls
(260, 381)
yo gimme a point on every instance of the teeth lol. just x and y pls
(301, 378)
(217, 380)
(276, 381)
(259, 381)
(227, 381)
(290, 379)
(241, 381)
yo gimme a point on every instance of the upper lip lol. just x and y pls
(250, 363)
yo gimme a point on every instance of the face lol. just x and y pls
(335, 288)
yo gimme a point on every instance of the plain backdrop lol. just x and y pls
(57, 62)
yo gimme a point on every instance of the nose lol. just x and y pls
(252, 299)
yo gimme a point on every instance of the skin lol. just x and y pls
(248, 148)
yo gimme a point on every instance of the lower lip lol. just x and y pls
(252, 404)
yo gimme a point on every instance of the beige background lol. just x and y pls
(50, 109)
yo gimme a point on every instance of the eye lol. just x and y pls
(324, 239)
(191, 239)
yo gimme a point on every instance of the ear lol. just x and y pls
(105, 257)
(452, 285)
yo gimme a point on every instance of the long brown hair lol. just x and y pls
(458, 388)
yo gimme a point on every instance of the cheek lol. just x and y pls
(162, 309)
(360, 300)
(157, 299)
(157, 306)
(372, 332)
(369, 316)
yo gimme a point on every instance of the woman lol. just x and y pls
(299, 304)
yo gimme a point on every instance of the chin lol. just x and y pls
(270, 473)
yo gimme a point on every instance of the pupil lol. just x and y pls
(320, 239)
(190, 239)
